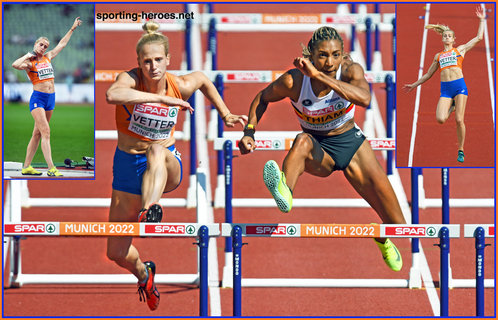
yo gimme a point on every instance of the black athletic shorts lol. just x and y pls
(342, 147)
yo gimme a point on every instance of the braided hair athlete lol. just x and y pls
(453, 87)
(146, 162)
(324, 89)
(38, 66)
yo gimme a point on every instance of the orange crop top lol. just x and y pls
(40, 70)
(149, 121)
(450, 59)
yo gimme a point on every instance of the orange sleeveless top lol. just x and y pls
(40, 70)
(149, 121)
(450, 59)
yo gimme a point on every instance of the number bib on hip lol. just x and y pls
(153, 120)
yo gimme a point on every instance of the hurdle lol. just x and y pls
(13, 214)
(479, 232)
(444, 203)
(110, 229)
(237, 231)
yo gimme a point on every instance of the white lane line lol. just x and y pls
(429, 283)
(488, 62)
(419, 88)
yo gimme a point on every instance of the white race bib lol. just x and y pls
(153, 120)
(45, 70)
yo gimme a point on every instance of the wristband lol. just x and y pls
(249, 131)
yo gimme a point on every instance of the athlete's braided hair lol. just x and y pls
(321, 34)
(152, 35)
(439, 28)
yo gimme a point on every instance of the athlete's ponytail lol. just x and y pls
(439, 28)
(152, 35)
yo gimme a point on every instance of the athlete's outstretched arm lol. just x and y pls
(275, 91)
(123, 91)
(356, 89)
(191, 82)
(64, 41)
(480, 32)
(424, 78)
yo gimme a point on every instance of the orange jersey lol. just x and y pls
(450, 59)
(40, 70)
(149, 121)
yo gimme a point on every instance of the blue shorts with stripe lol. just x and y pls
(128, 170)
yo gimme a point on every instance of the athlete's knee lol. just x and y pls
(44, 132)
(459, 121)
(36, 133)
(441, 119)
(302, 143)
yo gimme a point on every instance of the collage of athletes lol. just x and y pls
(174, 160)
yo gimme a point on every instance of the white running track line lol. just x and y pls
(429, 283)
(419, 88)
(203, 160)
(488, 62)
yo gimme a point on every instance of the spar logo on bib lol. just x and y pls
(154, 120)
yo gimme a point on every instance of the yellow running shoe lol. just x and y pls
(30, 171)
(275, 182)
(391, 255)
(54, 172)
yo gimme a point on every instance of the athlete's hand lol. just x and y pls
(305, 66)
(77, 23)
(30, 54)
(246, 145)
(231, 119)
(408, 87)
(480, 13)
(172, 101)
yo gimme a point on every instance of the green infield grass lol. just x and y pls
(71, 133)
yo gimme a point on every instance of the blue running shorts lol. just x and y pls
(42, 100)
(450, 89)
(128, 170)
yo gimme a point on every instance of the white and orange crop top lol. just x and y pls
(321, 114)
(450, 59)
(149, 121)
(40, 70)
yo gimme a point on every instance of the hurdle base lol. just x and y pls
(23, 279)
(325, 283)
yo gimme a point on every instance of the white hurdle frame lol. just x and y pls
(13, 214)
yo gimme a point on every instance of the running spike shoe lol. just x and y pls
(30, 171)
(153, 214)
(275, 182)
(391, 255)
(147, 291)
(54, 172)
(461, 156)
